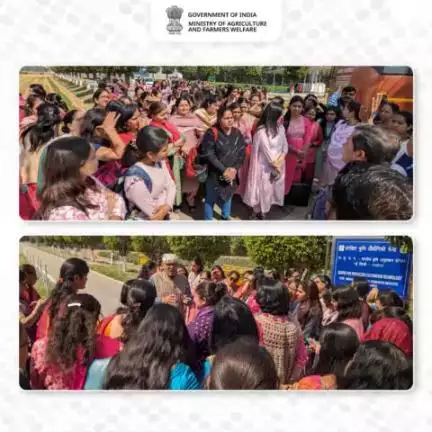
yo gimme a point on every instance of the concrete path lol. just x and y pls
(241, 212)
(105, 289)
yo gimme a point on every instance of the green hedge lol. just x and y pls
(79, 89)
(107, 254)
(234, 260)
(84, 93)
(113, 272)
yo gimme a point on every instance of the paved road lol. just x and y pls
(241, 212)
(105, 289)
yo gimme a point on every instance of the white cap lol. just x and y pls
(169, 258)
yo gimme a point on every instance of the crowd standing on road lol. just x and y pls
(145, 156)
(193, 330)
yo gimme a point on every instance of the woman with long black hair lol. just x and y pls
(60, 361)
(70, 192)
(337, 345)
(34, 141)
(72, 122)
(99, 128)
(298, 133)
(266, 178)
(159, 356)
(347, 304)
(72, 278)
(137, 298)
(147, 185)
(118, 132)
(378, 365)
(309, 312)
(328, 124)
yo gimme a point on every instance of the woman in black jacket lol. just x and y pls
(223, 150)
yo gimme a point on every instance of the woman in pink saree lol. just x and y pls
(299, 134)
(244, 122)
(190, 126)
(61, 360)
(266, 180)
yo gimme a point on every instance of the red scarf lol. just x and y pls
(169, 127)
(392, 330)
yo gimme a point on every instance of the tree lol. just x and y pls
(209, 248)
(168, 69)
(121, 244)
(286, 252)
(189, 72)
(153, 69)
(153, 246)
(204, 72)
(404, 243)
(238, 247)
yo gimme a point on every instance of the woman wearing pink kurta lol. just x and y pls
(190, 126)
(244, 122)
(316, 141)
(343, 130)
(298, 133)
(266, 179)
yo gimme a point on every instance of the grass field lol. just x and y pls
(52, 85)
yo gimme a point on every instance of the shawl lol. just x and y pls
(200, 330)
(280, 337)
(168, 127)
(392, 330)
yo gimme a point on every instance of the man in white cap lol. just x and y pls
(171, 288)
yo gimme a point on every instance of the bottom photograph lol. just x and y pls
(215, 313)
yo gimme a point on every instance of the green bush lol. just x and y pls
(285, 252)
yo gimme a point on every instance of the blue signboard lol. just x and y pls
(382, 264)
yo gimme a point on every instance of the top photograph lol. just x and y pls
(216, 143)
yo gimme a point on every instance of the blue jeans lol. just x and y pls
(212, 198)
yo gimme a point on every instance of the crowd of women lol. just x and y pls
(180, 329)
(146, 155)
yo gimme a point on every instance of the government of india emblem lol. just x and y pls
(174, 14)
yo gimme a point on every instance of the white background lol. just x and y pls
(314, 32)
